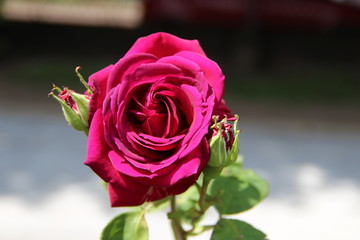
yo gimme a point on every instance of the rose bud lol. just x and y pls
(224, 146)
(75, 107)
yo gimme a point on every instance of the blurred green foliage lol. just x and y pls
(303, 84)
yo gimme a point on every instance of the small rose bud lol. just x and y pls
(224, 146)
(75, 107)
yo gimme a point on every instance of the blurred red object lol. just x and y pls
(269, 13)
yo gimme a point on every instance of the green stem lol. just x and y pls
(179, 232)
(202, 207)
(203, 196)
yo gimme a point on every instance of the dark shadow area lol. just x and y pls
(280, 65)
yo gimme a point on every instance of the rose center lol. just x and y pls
(157, 112)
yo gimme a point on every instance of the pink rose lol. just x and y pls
(149, 117)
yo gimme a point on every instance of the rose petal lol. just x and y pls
(157, 123)
(211, 70)
(191, 70)
(97, 82)
(148, 154)
(191, 165)
(221, 109)
(150, 142)
(163, 44)
(97, 150)
(127, 65)
(122, 197)
(188, 167)
(97, 157)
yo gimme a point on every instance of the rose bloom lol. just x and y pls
(149, 117)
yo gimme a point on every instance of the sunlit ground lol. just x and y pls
(312, 166)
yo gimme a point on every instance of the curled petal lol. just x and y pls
(125, 66)
(188, 167)
(211, 70)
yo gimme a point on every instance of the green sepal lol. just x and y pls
(71, 117)
(235, 148)
(104, 184)
(82, 103)
(82, 80)
(234, 151)
(217, 150)
(126, 226)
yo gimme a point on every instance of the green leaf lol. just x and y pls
(231, 229)
(238, 191)
(126, 226)
(234, 169)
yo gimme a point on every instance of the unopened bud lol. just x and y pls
(224, 146)
(75, 107)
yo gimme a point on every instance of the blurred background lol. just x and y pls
(292, 72)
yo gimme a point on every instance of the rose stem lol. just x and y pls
(201, 203)
(202, 196)
(179, 232)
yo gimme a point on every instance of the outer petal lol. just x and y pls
(97, 158)
(211, 71)
(97, 82)
(125, 197)
(221, 109)
(164, 44)
(97, 150)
